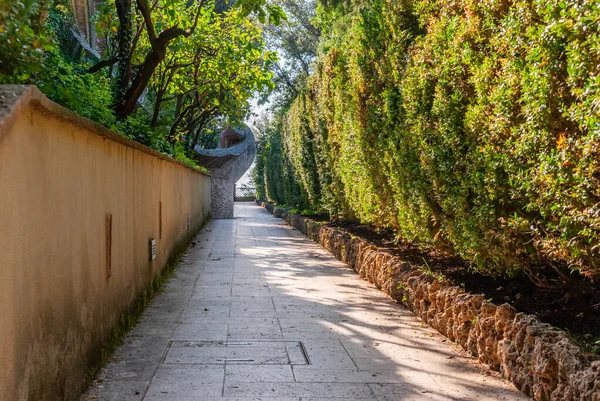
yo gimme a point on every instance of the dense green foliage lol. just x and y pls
(472, 126)
(212, 65)
(272, 173)
(296, 41)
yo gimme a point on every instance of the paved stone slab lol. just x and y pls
(208, 398)
(333, 399)
(253, 373)
(307, 374)
(258, 312)
(279, 390)
(193, 380)
(221, 353)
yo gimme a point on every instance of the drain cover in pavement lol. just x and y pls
(237, 353)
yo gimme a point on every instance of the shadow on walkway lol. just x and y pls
(259, 312)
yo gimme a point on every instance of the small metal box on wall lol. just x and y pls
(152, 249)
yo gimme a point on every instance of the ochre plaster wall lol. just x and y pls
(60, 176)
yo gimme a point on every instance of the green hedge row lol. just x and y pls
(469, 125)
(273, 173)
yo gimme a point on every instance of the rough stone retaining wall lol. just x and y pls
(266, 205)
(537, 358)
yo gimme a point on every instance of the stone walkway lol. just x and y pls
(258, 312)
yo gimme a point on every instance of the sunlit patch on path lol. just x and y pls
(259, 312)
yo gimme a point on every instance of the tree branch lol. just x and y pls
(169, 34)
(286, 79)
(200, 6)
(135, 40)
(102, 64)
(145, 10)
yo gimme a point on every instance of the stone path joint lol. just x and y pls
(257, 311)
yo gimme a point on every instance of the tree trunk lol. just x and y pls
(129, 101)
(178, 106)
(124, 37)
(195, 139)
(178, 119)
(156, 112)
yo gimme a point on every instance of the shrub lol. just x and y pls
(471, 126)
(208, 75)
(21, 39)
(273, 172)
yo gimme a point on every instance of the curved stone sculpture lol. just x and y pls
(227, 165)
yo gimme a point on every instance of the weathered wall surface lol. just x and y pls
(538, 359)
(66, 275)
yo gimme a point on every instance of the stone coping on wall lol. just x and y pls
(540, 360)
(14, 99)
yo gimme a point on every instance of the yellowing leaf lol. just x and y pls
(561, 141)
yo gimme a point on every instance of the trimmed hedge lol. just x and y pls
(272, 173)
(468, 125)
